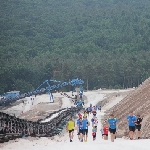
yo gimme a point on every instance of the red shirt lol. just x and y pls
(105, 129)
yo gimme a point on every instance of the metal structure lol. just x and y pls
(74, 82)
(12, 94)
(49, 88)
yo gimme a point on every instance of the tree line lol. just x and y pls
(105, 43)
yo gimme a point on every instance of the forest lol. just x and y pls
(103, 42)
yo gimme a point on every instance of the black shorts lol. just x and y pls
(138, 127)
(94, 136)
(112, 130)
(132, 128)
(104, 134)
(85, 131)
(71, 130)
(80, 131)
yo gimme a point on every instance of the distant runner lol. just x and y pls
(94, 121)
(70, 128)
(94, 130)
(99, 108)
(85, 114)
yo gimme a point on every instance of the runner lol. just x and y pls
(80, 127)
(86, 123)
(79, 115)
(94, 130)
(112, 126)
(95, 121)
(94, 111)
(92, 120)
(85, 114)
(104, 131)
(131, 123)
(99, 108)
(138, 124)
(77, 126)
(88, 110)
(70, 128)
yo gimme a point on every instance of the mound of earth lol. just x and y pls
(137, 101)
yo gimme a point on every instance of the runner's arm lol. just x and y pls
(67, 126)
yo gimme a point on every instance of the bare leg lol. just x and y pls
(112, 137)
(86, 137)
(138, 134)
(81, 137)
(131, 135)
(105, 137)
(70, 136)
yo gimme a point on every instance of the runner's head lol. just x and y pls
(131, 113)
(111, 115)
(70, 117)
(79, 115)
(138, 116)
(95, 127)
(104, 124)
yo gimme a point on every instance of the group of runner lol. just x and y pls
(83, 123)
(108, 126)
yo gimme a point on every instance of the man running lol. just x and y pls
(88, 111)
(80, 128)
(86, 123)
(94, 121)
(77, 125)
(138, 124)
(131, 123)
(70, 128)
(112, 126)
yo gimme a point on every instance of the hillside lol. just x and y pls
(138, 102)
(104, 42)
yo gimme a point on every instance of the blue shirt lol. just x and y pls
(85, 124)
(80, 125)
(78, 121)
(94, 130)
(92, 120)
(89, 109)
(112, 123)
(131, 120)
